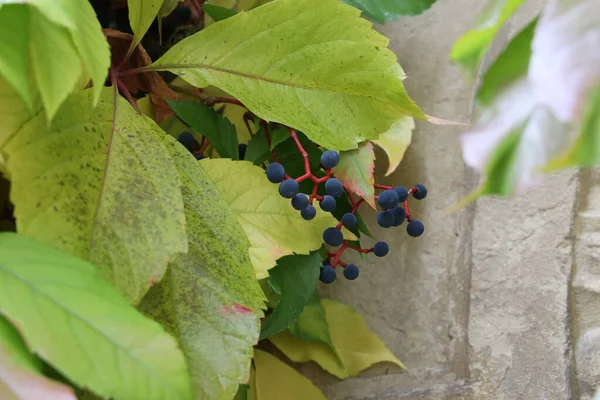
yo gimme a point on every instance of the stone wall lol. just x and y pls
(498, 301)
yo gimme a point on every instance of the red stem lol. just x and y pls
(127, 95)
(366, 251)
(217, 100)
(406, 209)
(376, 186)
(301, 149)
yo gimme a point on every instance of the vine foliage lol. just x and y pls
(146, 267)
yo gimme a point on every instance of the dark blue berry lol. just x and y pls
(399, 215)
(388, 199)
(381, 249)
(415, 228)
(327, 274)
(275, 172)
(351, 272)
(402, 193)
(385, 219)
(184, 13)
(199, 156)
(299, 201)
(188, 141)
(333, 237)
(421, 192)
(334, 187)
(349, 220)
(288, 188)
(328, 203)
(330, 159)
(308, 212)
(242, 150)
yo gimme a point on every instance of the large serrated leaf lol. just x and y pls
(276, 380)
(273, 227)
(106, 193)
(20, 377)
(355, 170)
(382, 11)
(73, 318)
(209, 300)
(356, 346)
(63, 37)
(296, 277)
(326, 71)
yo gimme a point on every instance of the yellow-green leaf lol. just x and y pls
(141, 16)
(468, 51)
(74, 319)
(209, 300)
(355, 170)
(357, 346)
(395, 142)
(327, 72)
(13, 113)
(275, 380)
(65, 42)
(20, 377)
(246, 5)
(167, 8)
(110, 195)
(273, 227)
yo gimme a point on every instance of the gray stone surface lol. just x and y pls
(498, 301)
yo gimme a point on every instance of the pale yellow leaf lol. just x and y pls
(395, 142)
(357, 346)
(276, 380)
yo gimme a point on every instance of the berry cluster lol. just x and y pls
(392, 214)
(393, 202)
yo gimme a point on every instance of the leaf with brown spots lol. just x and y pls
(149, 82)
(209, 300)
(106, 193)
(355, 170)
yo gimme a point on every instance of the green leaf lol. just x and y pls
(273, 227)
(311, 325)
(395, 142)
(108, 194)
(515, 134)
(258, 148)
(218, 13)
(14, 53)
(276, 380)
(355, 170)
(585, 151)
(297, 277)
(327, 72)
(468, 51)
(141, 16)
(209, 299)
(511, 65)
(56, 64)
(206, 121)
(73, 318)
(357, 347)
(382, 11)
(278, 136)
(65, 41)
(20, 377)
